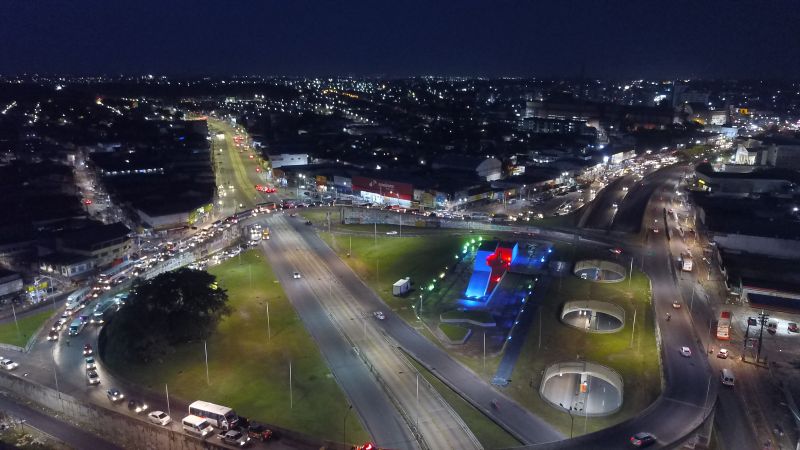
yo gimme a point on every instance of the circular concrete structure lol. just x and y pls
(599, 271)
(588, 388)
(593, 316)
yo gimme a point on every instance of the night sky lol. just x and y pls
(601, 38)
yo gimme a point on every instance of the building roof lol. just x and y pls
(765, 216)
(763, 174)
(94, 235)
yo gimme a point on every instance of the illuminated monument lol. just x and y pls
(492, 261)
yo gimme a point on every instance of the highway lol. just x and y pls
(328, 305)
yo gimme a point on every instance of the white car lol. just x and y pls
(391, 233)
(159, 418)
(379, 315)
(686, 351)
(296, 275)
(90, 364)
(8, 364)
(92, 377)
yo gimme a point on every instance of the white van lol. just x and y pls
(197, 425)
(727, 377)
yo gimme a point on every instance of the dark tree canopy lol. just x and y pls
(173, 308)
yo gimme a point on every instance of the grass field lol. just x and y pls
(453, 332)
(393, 258)
(250, 372)
(27, 326)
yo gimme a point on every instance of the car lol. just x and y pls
(379, 315)
(159, 418)
(642, 439)
(59, 324)
(52, 335)
(772, 327)
(308, 222)
(259, 431)
(115, 395)
(90, 364)
(616, 251)
(137, 405)
(686, 351)
(655, 230)
(723, 353)
(235, 437)
(8, 364)
(614, 205)
(676, 304)
(296, 275)
(87, 350)
(92, 377)
(391, 233)
(792, 327)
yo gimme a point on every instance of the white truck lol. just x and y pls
(686, 262)
(400, 287)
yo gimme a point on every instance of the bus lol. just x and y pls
(221, 417)
(76, 300)
(109, 277)
(724, 326)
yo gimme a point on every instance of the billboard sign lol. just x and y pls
(391, 189)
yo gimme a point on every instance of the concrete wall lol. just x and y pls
(123, 430)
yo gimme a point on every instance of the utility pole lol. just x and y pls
(762, 317)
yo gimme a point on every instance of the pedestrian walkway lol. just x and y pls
(519, 332)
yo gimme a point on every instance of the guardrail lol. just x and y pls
(410, 422)
(431, 390)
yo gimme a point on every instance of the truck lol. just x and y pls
(686, 262)
(724, 326)
(401, 286)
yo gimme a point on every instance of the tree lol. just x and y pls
(173, 308)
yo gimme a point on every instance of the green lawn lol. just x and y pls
(420, 257)
(470, 314)
(27, 326)
(250, 372)
(453, 332)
